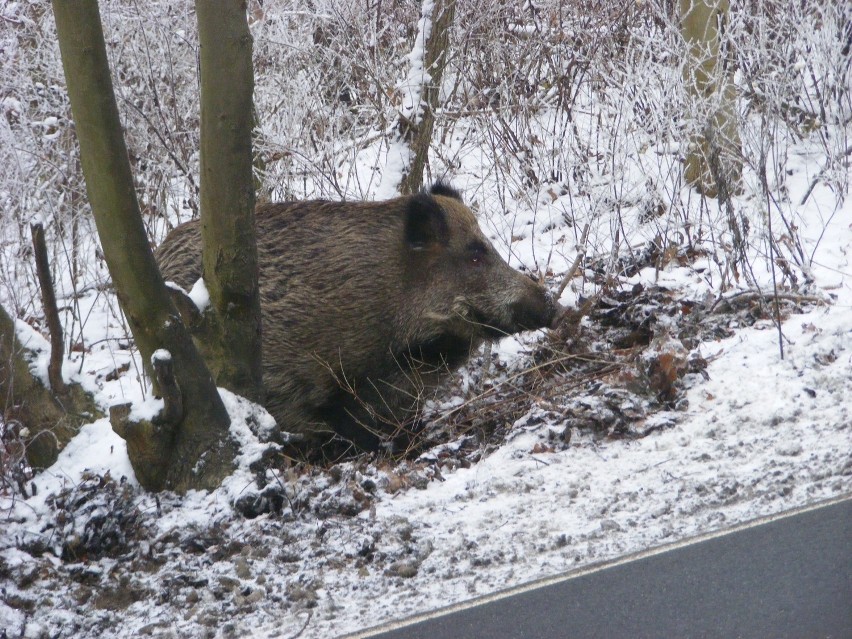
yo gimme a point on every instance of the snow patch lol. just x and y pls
(200, 295)
(161, 355)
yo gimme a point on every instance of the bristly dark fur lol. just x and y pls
(368, 306)
(443, 188)
(425, 221)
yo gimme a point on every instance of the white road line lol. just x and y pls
(593, 568)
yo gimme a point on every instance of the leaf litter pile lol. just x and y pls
(617, 367)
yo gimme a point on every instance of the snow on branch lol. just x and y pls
(413, 90)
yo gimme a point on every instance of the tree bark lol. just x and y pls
(49, 420)
(197, 453)
(229, 251)
(713, 162)
(417, 130)
(51, 312)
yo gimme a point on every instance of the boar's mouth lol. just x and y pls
(444, 351)
(521, 319)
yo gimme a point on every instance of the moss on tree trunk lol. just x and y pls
(50, 419)
(229, 252)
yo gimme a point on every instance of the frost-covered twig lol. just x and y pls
(765, 185)
(581, 253)
(819, 176)
(752, 295)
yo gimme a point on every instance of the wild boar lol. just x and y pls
(368, 306)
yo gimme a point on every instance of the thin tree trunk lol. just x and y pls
(227, 197)
(416, 125)
(714, 155)
(197, 452)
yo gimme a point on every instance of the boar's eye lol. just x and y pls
(476, 252)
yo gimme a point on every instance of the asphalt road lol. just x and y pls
(789, 577)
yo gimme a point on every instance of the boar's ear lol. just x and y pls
(425, 222)
(444, 188)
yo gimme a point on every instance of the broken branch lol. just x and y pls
(51, 311)
(581, 252)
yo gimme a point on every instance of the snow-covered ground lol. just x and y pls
(86, 553)
(762, 435)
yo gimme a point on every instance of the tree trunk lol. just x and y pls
(713, 163)
(197, 452)
(49, 420)
(415, 124)
(229, 251)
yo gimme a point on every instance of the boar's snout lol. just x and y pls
(558, 313)
(536, 309)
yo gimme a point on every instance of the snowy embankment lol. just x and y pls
(360, 544)
(560, 453)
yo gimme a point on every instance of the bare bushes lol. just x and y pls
(579, 100)
(565, 109)
(326, 93)
(583, 116)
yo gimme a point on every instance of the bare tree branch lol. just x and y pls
(51, 312)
